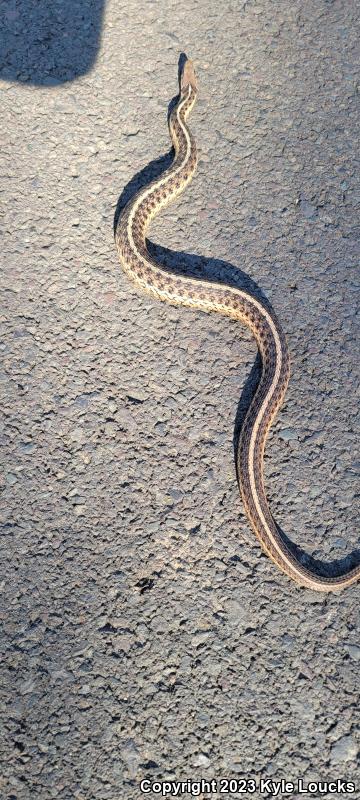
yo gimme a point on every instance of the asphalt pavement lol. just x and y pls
(145, 635)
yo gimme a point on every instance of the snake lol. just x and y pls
(182, 290)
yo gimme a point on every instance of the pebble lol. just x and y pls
(345, 749)
(354, 651)
(202, 760)
(11, 479)
(308, 209)
(288, 434)
(80, 510)
(135, 393)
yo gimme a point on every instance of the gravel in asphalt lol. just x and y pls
(145, 635)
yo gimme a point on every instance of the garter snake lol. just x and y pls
(175, 289)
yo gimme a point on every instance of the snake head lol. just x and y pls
(187, 76)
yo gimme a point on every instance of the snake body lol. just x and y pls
(175, 289)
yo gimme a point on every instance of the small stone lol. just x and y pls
(317, 437)
(27, 687)
(308, 209)
(288, 434)
(306, 671)
(315, 491)
(200, 638)
(122, 644)
(354, 651)
(130, 756)
(163, 499)
(345, 749)
(77, 435)
(192, 525)
(237, 614)
(125, 419)
(201, 760)
(11, 479)
(80, 511)
(110, 429)
(130, 130)
(213, 668)
(159, 624)
(176, 494)
(340, 543)
(27, 447)
(137, 394)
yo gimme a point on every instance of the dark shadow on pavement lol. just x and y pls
(213, 269)
(49, 42)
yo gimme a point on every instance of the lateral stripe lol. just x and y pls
(249, 299)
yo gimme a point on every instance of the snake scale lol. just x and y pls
(142, 269)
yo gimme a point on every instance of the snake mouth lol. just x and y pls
(187, 76)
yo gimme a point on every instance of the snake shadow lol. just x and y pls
(219, 271)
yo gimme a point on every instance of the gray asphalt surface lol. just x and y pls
(145, 636)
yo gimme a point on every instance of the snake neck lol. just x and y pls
(182, 139)
(146, 204)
